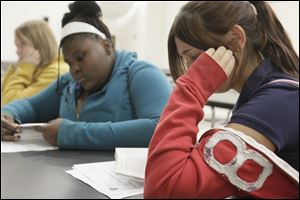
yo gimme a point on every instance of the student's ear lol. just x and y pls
(108, 47)
(238, 37)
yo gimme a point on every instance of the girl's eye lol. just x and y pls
(193, 57)
(80, 57)
(21, 45)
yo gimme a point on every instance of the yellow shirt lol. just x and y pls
(26, 80)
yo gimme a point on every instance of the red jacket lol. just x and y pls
(176, 167)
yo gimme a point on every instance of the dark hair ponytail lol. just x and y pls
(275, 44)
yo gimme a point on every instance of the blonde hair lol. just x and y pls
(38, 34)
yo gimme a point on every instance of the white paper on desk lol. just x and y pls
(102, 177)
(32, 125)
(31, 140)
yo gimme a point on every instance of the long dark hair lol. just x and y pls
(204, 24)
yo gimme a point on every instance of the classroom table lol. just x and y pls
(41, 174)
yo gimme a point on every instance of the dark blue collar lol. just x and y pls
(258, 77)
(264, 73)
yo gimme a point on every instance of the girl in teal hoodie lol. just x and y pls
(109, 99)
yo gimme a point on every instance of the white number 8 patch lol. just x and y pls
(230, 169)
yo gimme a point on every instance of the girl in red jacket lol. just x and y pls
(214, 47)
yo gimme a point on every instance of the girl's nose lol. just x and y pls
(18, 52)
(75, 67)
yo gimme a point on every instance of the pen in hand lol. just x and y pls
(9, 129)
(32, 125)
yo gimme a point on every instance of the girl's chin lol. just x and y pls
(222, 89)
(84, 86)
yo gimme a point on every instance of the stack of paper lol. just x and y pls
(131, 162)
(116, 179)
(102, 177)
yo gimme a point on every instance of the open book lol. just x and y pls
(131, 162)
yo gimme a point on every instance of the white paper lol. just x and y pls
(102, 177)
(31, 125)
(131, 162)
(31, 140)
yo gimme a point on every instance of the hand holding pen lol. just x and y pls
(9, 129)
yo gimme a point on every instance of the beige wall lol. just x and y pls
(143, 28)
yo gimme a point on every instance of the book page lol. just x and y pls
(131, 162)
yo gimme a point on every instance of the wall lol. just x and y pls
(143, 29)
(13, 13)
(288, 14)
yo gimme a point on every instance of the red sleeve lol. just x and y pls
(175, 166)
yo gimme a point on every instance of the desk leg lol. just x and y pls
(213, 117)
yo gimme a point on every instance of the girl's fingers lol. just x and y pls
(230, 65)
(210, 51)
(224, 57)
(217, 56)
(10, 137)
(7, 126)
(227, 56)
(5, 131)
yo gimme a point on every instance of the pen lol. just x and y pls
(31, 125)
